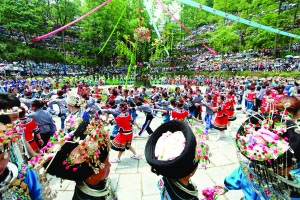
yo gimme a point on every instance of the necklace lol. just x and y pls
(179, 186)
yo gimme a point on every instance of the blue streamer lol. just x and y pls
(154, 24)
(237, 19)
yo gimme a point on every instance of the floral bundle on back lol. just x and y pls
(75, 156)
(270, 147)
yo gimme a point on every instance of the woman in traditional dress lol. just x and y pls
(221, 119)
(269, 155)
(171, 151)
(16, 180)
(125, 135)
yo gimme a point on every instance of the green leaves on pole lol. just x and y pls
(132, 62)
(115, 27)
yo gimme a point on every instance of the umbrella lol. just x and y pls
(289, 56)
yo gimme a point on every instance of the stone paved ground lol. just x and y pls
(133, 180)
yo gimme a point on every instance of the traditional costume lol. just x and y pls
(269, 154)
(229, 104)
(173, 152)
(17, 181)
(79, 157)
(30, 132)
(124, 137)
(221, 119)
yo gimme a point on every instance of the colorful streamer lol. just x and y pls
(154, 25)
(132, 62)
(115, 27)
(209, 49)
(71, 23)
(237, 19)
(186, 29)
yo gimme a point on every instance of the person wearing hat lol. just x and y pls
(82, 157)
(269, 154)
(77, 106)
(171, 152)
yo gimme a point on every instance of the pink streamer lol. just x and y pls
(209, 49)
(71, 23)
(186, 29)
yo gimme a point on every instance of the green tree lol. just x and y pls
(25, 17)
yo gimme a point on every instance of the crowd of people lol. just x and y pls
(31, 68)
(51, 43)
(27, 111)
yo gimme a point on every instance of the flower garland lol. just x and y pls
(202, 148)
(263, 141)
(13, 110)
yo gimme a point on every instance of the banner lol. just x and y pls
(70, 24)
(154, 24)
(237, 19)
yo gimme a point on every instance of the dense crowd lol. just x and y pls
(31, 68)
(51, 43)
(85, 108)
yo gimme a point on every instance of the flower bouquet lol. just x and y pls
(142, 34)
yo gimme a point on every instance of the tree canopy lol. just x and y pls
(29, 18)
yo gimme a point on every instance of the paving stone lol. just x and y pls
(134, 195)
(127, 166)
(149, 184)
(65, 195)
(152, 197)
(234, 194)
(129, 183)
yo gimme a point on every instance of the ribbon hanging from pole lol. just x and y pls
(237, 19)
(154, 24)
(115, 27)
(71, 23)
(178, 22)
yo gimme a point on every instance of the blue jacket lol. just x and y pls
(238, 181)
(44, 121)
